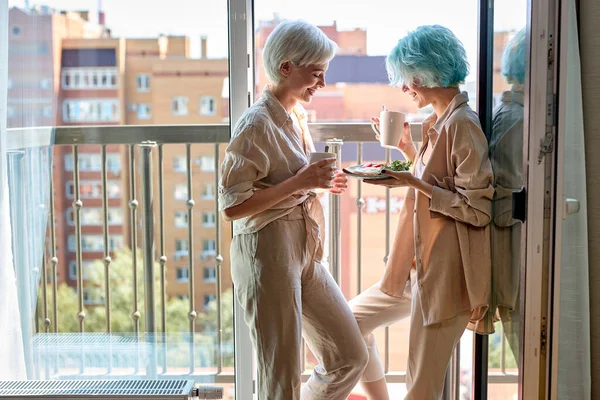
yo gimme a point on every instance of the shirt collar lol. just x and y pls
(513, 97)
(456, 102)
(279, 114)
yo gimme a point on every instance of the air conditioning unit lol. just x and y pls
(132, 107)
(157, 389)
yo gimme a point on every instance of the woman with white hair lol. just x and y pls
(268, 190)
(439, 268)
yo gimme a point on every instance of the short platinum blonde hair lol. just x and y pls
(298, 42)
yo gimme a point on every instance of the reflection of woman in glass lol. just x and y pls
(267, 189)
(506, 155)
(438, 271)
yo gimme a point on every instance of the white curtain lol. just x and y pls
(12, 360)
(574, 379)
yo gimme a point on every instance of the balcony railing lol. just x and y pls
(145, 153)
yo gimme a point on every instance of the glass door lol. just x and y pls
(506, 129)
(517, 52)
(540, 152)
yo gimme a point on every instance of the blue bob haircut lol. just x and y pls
(430, 56)
(513, 59)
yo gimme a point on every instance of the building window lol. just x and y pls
(208, 105)
(209, 248)
(181, 192)
(92, 162)
(208, 191)
(144, 111)
(209, 298)
(207, 163)
(95, 243)
(93, 189)
(113, 163)
(86, 269)
(183, 274)
(92, 296)
(91, 110)
(94, 216)
(181, 248)
(47, 112)
(143, 83)
(210, 274)
(109, 111)
(179, 105)
(73, 270)
(181, 219)
(209, 219)
(15, 30)
(45, 83)
(86, 295)
(183, 297)
(89, 78)
(179, 164)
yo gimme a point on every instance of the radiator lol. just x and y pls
(160, 389)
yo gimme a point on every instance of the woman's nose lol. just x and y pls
(321, 82)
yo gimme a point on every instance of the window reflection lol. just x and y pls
(506, 155)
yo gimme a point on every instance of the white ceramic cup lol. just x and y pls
(318, 156)
(391, 126)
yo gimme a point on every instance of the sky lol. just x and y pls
(386, 21)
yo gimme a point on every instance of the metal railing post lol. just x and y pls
(335, 251)
(148, 249)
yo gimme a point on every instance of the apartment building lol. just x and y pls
(90, 78)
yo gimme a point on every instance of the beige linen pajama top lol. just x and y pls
(446, 239)
(267, 147)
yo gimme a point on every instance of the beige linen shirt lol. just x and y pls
(506, 156)
(445, 240)
(266, 149)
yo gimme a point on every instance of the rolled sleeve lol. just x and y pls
(467, 196)
(246, 161)
(502, 208)
(235, 195)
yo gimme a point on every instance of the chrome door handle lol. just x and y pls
(570, 206)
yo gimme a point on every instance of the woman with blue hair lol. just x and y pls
(506, 156)
(438, 271)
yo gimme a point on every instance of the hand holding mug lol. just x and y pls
(392, 130)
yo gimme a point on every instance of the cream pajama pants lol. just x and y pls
(286, 295)
(430, 347)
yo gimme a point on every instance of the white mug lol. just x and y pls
(318, 156)
(391, 126)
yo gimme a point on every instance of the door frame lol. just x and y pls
(241, 66)
(540, 164)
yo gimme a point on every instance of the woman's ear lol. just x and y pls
(285, 68)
